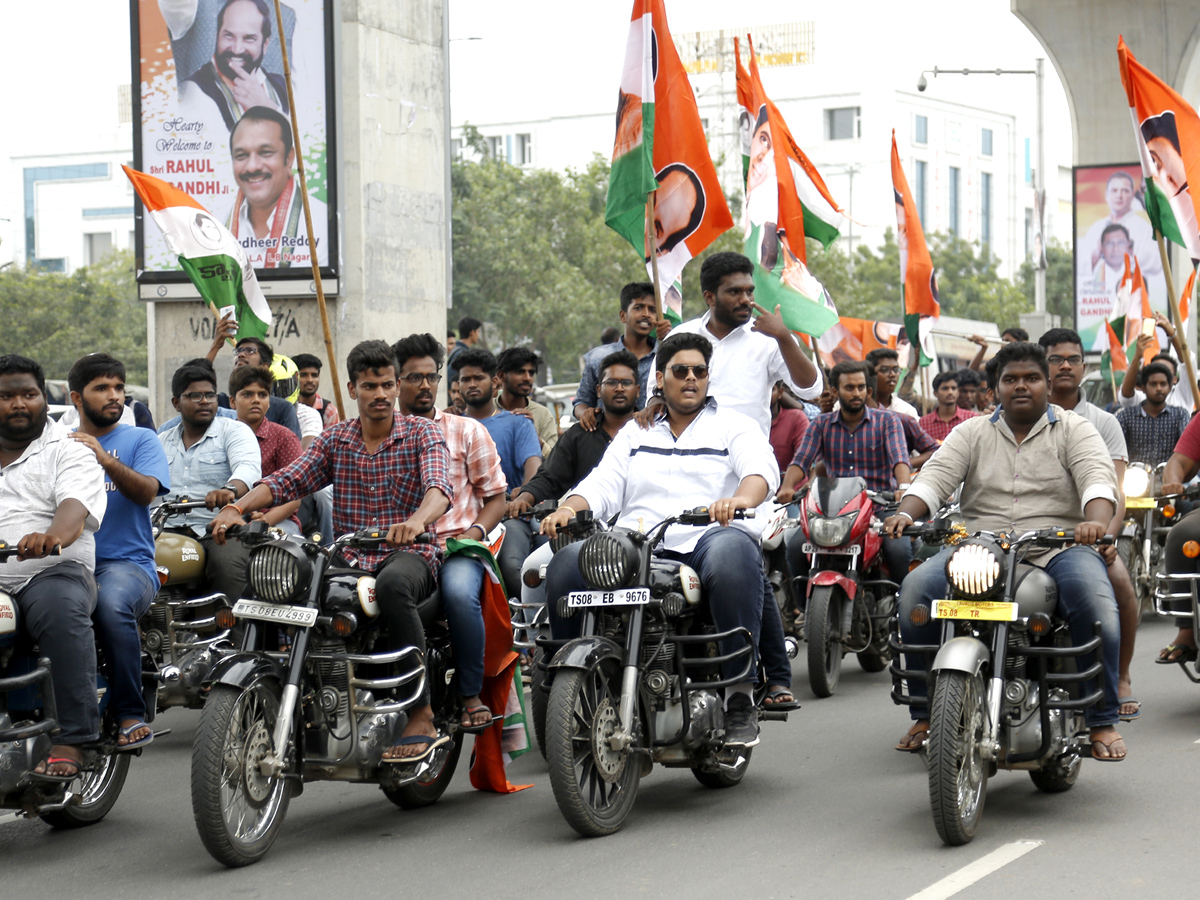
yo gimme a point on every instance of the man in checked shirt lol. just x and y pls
(388, 471)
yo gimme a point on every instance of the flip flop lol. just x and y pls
(1121, 701)
(434, 741)
(916, 740)
(769, 703)
(134, 745)
(1107, 745)
(470, 712)
(58, 779)
(1187, 655)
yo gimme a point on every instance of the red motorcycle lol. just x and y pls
(849, 601)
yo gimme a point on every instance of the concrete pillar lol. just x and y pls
(393, 202)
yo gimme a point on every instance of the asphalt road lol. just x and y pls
(827, 809)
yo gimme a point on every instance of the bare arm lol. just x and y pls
(141, 489)
(65, 529)
(489, 517)
(530, 468)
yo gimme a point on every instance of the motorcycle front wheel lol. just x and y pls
(957, 773)
(824, 626)
(97, 789)
(238, 809)
(434, 782)
(594, 785)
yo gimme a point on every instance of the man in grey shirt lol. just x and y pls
(1029, 465)
(1064, 353)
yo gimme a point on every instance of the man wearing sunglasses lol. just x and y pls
(215, 458)
(697, 453)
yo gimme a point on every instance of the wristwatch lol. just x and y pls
(231, 488)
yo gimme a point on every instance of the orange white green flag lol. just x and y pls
(1133, 305)
(855, 338)
(786, 201)
(1167, 129)
(211, 256)
(921, 307)
(660, 152)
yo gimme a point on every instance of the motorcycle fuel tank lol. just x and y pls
(1035, 592)
(182, 556)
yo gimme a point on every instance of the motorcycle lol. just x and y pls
(324, 708)
(1144, 531)
(640, 685)
(1004, 690)
(28, 721)
(1176, 594)
(181, 639)
(849, 601)
(775, 537)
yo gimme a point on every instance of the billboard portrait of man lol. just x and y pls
(267, 216)
(1124, 209)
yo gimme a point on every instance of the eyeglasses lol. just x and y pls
(887, 370)
(681, 371)
(1069, 360)
(245, 351)
(197, 396)
(620, 382)
(418, 378)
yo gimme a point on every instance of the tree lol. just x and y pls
(56, 319)
(1060, 281)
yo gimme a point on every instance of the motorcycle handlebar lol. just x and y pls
(374, 537)
(700, 516)
(9, 552)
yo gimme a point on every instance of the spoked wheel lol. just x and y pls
(957, 773)
(728, 775)
(824, 627)
(238, 808)
(97, 789)
(429, 789)
(594, 785)
(877, 656)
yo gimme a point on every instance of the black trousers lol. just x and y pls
(401, 583)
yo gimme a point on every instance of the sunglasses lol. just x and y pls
(681, 371)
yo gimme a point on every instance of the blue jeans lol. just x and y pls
(462, 581)
(124, 591)
(729, 564)
(1085, 596)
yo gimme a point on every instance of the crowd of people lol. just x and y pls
(725, 411)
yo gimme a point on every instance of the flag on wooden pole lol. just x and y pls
(921, 307)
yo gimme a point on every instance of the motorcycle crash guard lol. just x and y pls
(961, 654)
(585, 652)
(241, 670)
(829, 577)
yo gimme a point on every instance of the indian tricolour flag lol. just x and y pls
(1115, 360)
(786, 202)
(921, 307)
(661, 154)
(211, 256)
(1168, 137)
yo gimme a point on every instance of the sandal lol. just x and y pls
(1108, 746)
(434, 741)
(772, 700)
(129, 730)
(469, 713)
(58, 779)
(913, 741)
(1125, 701)
(1186, 654)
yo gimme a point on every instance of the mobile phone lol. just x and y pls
(1148, 327)
(227, 311)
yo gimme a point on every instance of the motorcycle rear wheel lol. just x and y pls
(98, 790)
(595, 786)
(1130, 552)
(238, 810)
(539, 698)
(723, 778)
(957, 773)
(823, 624)
(426, 793)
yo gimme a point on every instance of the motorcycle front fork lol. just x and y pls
(623, 736)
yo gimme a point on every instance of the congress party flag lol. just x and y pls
(921, 308)
(1133, 306)
(853, 339)
(211, 256)
(660, 152)
(1167, 130)
(786, 201)
(1114, 361)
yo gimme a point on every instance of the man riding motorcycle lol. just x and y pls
(1029, 465)
(388, 471)
(693, 453)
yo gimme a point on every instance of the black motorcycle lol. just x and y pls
(641, 684)
(28, 723)
(313, 694)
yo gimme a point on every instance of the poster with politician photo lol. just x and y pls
(1111, 223)
(212, 119)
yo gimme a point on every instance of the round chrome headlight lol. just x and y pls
(976, 569)
(831, 532)
(1137, 481)
(608, 560)
(279, 572)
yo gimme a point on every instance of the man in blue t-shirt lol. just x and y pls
(135, 472)
(516, 441)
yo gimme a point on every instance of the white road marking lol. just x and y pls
(980, 869)
(9, 817)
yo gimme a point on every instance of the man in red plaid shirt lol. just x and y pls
(948, 414)
(388, 471)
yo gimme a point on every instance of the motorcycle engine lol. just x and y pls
(19, 757)
(376, 731)
(707, 725)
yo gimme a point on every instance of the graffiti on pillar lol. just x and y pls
(284, 324)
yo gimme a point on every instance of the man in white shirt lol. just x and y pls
(887, 374)
(697, 453)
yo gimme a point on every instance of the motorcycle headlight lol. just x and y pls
(976, 569)
(608, 560)
(1136, 482)
(279, 572)
(831, 532)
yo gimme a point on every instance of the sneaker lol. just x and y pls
(741, 722)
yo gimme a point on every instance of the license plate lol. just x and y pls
(1140, 503)
(622, 597)
(978, 610)
(852, 550)
(303, 616)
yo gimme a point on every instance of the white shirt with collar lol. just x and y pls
(52, 470)
(648, 475)
(744, 368)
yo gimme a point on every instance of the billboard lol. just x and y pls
(1110, 222)
(211, 117)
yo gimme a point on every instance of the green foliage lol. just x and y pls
(56, 319)
(1060, 281)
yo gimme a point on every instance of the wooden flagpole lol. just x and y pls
(1177, 319)
(312, 245)
(651, 251)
